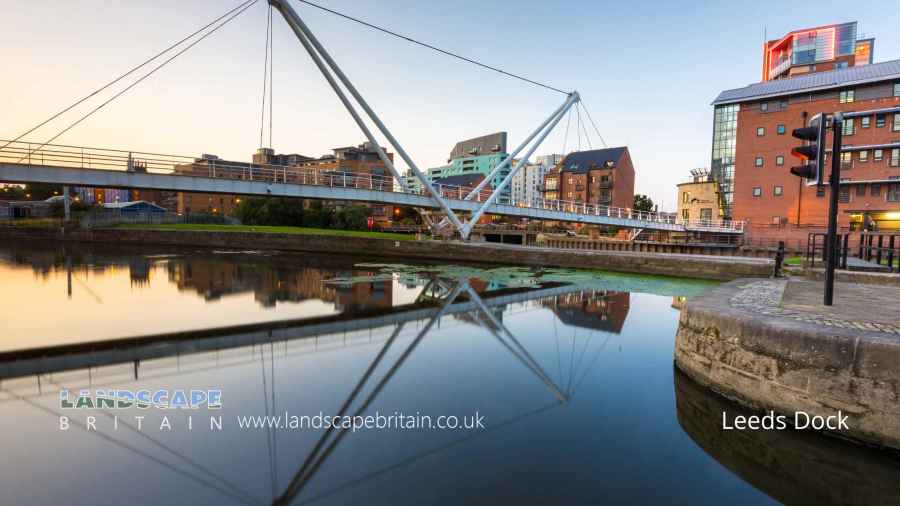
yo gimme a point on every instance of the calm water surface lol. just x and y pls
(571, 371)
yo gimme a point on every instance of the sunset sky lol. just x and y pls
(646, 70)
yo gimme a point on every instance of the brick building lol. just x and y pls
(602, 177)
(339, 167)
(752, 143)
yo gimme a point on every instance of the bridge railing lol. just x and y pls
(27, 153)
(61, 155)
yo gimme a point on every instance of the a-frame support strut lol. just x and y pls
(330, 70)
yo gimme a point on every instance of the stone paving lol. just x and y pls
(869, 308)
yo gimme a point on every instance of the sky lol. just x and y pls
(647, 72)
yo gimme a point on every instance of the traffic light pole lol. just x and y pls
(834, 181)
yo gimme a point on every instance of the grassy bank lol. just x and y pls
(196, 227)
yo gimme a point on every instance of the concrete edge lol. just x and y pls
(770, 363)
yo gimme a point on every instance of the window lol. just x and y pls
(879, 120)
(781, 129)
(846, 97)
(760, 131)
(706, 214)
(685, 197)
(844, 194)
(865, 121)
(863, 156)
(842, 64)
(876, 190)
(777, 191)
(896, 126)
(686, 214)
(779, 160)
(846, 160)
(820, 191)
(757, 191)
(764, 107)
(895, 157)
(758, 162)
(861, 190)
(878, 155)
(848, 127)
(897, 89)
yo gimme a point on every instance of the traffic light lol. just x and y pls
(813, 152)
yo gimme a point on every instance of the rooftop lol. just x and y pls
(813, 82)
(581, 161)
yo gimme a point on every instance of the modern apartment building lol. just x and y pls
(601, 177)
(817, 49)
(479, 155)
(752, 143)
(526, 185)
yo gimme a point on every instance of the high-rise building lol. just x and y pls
(752, 142)
(526, 184)
(603, 177)
(818, 49)
(473, 156)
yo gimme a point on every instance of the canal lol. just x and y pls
(482, 386)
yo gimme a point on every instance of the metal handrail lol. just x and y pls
(109, 159)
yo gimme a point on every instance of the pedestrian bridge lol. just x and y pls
(21, 162)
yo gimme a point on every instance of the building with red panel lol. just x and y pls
(817, 49)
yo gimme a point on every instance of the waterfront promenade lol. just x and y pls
(771, 345)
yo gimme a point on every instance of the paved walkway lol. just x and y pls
(869, 308)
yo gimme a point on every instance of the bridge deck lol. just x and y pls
(353, 191)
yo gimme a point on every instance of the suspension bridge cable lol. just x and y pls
(578, 126)
(271, 69)
(434, 48)
(123, 76)
(262, 112)
(566, 136)
(142, 78)
(584, 127)
(588, 112)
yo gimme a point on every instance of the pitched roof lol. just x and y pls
(813, 82)
(461, 179)
(581, 161)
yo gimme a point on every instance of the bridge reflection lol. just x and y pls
(34, 377)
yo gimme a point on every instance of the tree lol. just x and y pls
(643, 203)
(270, 211)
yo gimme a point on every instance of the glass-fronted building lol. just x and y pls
(724, 141)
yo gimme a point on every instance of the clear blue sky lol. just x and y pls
(647, 70)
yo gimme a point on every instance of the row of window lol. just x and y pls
(863, 156)
(874, 190)
(849, 127)
(777, 191)
(877, 155)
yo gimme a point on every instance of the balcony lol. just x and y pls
(605, 185)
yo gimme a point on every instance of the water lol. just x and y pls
(571, 371)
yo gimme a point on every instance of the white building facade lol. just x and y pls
(526, 184)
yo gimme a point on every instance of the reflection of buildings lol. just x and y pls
(214, 279)
(139, 270)
(597, 310)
